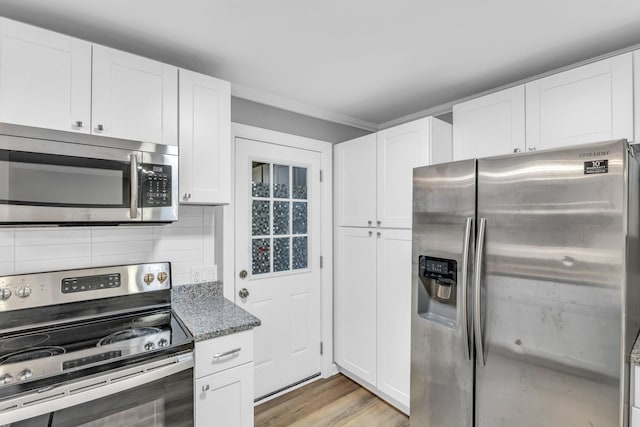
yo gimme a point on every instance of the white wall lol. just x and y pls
(187, 244)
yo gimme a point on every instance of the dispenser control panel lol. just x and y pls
(438, 268)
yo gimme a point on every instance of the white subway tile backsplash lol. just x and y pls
(186, 244)
(7, 238)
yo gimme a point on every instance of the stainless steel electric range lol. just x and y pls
(93, 347)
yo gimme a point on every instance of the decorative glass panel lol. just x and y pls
(260, 251)
(281, 254)
(280, 182)
(260, 218)
(260, 179)
(299, 218)
(280, 217)
(299, 253)
(299, 188)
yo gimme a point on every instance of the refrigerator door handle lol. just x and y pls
(464, 288)
(476, 292)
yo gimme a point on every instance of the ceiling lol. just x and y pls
(360, 62)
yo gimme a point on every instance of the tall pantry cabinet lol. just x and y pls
(373, 206)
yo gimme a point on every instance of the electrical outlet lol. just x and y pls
(204, 273)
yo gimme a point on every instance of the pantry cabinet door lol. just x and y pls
(586, 104)
(355, 302)
(394, 313)
(45, 78)
(400, 149)
(355, 182)
(490, 125)
(133, 97)
(205, 141)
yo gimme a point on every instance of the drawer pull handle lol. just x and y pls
(233, 352)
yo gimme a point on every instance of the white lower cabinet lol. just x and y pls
(223, 395)
(373, 303)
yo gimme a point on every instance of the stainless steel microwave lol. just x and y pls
(60, 178)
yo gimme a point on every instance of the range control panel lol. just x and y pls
(156, 185)
(90, 283)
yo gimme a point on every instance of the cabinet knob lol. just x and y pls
(516, 150)
(205, 387)
(79, 124)
(379, 222)
(532, 148)
(378, 234)
(99, 128)
(186, 196)
(369, 223)
(243, 274)
(243, 293)
(370, 233)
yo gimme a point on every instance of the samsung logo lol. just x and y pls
(593, 154)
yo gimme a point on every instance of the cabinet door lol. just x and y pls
(226, 398)
(400, 149)
(490, 125)
(355, 182)
(586, 104)
(355, 302)
(133, 97)
(45, 78)
(394, 313)
(205, 144)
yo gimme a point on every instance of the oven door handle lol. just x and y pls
(67, 395)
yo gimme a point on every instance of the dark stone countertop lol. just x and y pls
(635, 352)
(206, 313)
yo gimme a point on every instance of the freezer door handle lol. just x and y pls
(476, 292)
(465, 273)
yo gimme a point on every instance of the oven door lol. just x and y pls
(158, 394)
(53, 182)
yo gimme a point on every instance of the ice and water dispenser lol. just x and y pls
(437, 297)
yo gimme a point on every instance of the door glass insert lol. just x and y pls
(279, 218)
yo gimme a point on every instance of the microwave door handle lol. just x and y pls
(465, 274)
(476, 290)
(133, 207)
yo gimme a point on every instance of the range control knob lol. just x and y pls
(162, 276)
(25, 375)
(5, 379)
(163, 343)
(5, 294)
(148, 278)
(23, 291)
(149, 346)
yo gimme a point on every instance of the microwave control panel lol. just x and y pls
(156, 185)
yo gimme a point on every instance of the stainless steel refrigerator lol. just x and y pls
(526, 289)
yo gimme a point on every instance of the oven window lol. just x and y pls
(167, 402)
(37, 179)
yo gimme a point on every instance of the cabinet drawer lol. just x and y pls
(222, 353)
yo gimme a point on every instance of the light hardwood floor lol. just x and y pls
(335, 401)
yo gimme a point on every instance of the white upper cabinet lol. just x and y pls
(205, 141)
(374, 173)
(355, 182)
(133, 97)
(490, 125)
(590, 103)
(400, 149)
(45, 78)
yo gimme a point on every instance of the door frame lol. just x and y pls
(325, 149)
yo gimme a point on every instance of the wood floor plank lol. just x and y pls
(336, 401)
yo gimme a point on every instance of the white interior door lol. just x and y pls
(278, 259)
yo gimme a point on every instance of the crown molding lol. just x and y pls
(287, 104)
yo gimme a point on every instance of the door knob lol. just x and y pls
(243, 274)
(243, 293)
